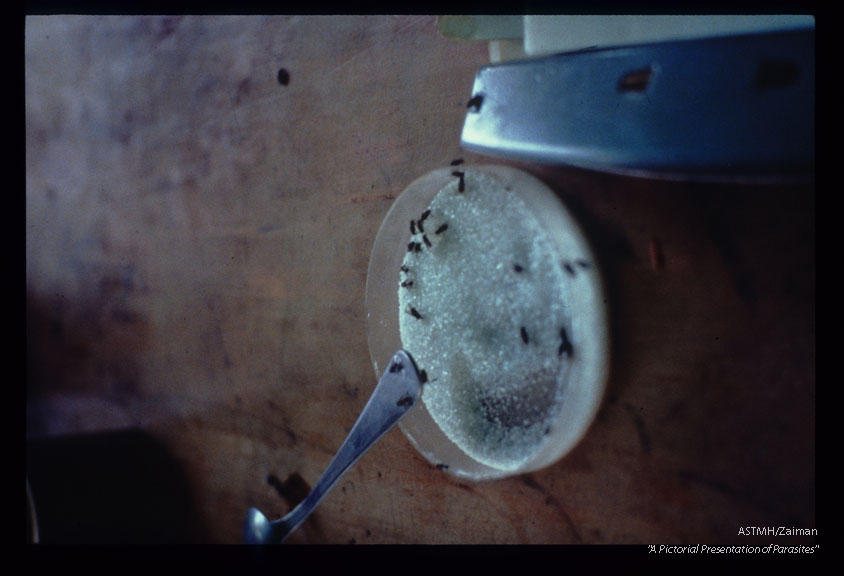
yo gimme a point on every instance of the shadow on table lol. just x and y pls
(109, 488)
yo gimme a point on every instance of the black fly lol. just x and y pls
(415, 313)
(475, 102)
(462, 185)
(441, 229)
(524, 333)
(565, 345)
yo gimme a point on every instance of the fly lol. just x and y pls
(475, 102)
(565, 345)
(461, 186)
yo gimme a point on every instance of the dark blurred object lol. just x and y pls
(109, 488)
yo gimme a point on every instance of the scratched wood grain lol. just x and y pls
(197, 242)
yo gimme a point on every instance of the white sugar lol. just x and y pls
(481, 310)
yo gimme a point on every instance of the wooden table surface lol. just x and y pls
(198, 231)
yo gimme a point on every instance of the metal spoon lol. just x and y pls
(396, 393)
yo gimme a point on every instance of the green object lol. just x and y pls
(482, 28)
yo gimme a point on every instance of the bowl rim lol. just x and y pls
(381, 305)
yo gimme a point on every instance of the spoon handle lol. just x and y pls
(396, 393)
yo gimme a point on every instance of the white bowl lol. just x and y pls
(589, 366)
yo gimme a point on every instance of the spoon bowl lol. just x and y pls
(258, 529)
